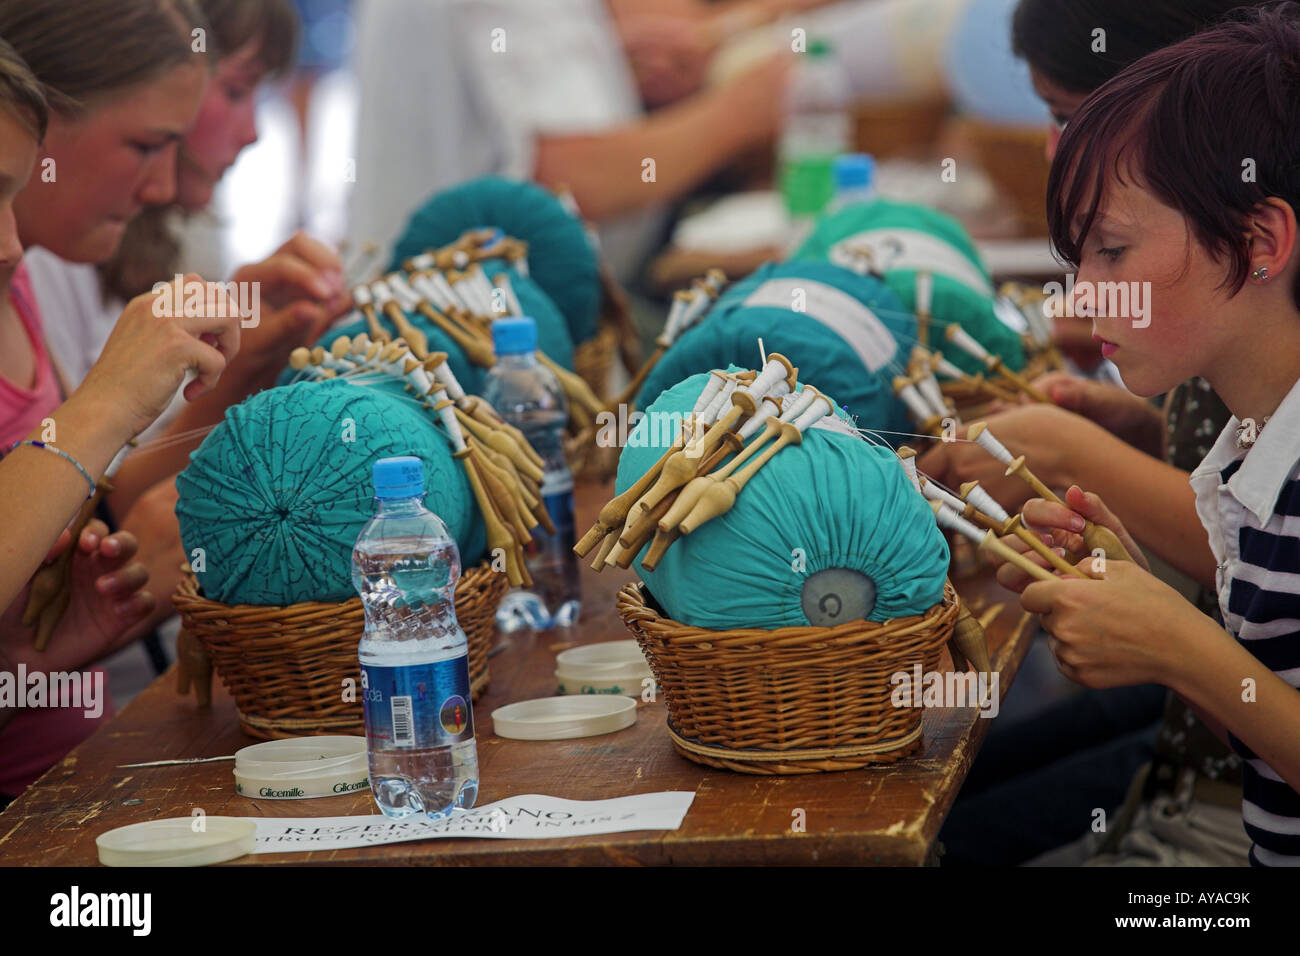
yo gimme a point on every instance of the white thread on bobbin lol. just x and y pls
(910, 397)
(946, 368)
(720, 401)
(952, 521)
(962, 339)
(979, 433)
(924, 292)
(796, 403)
(768, 408)
(983, 501)
(907, 458)
(821, 406)
(932, 491)
(717, 379)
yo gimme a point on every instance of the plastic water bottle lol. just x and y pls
(855, 175)
(818, 127)
(527, 395)
(414, 664)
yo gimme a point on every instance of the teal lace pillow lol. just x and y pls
(560, 256)
(273, 500)
(907, 238)
(830, 527)
(848, 334)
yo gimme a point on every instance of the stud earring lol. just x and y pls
(1261, 274)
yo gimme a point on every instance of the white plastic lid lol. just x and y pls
(179, 841)
(302, 767)
(608, 660)
(561, 718)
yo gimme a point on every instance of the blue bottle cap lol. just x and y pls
(514, 336)
(854, 171)
(399, 477)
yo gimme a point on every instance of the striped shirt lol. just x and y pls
(1249, 501)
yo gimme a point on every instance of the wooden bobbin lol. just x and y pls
(615, 511)
(476, 348)
(1094, 535)
(991, 544)
(498, 535)
(970, 642)
(502, 442)
(721, 497)
(51, 587)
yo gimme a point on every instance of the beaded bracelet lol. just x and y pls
(62, 454)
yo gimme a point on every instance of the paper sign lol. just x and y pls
(526, 817)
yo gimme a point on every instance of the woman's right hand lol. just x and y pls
(152, 347)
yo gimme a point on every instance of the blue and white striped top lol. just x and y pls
(1249, 502)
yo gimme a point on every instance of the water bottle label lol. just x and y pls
(418, 707)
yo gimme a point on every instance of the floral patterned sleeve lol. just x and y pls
(1196, 415)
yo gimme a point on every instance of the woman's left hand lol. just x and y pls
(1120, 629)
(301, 292)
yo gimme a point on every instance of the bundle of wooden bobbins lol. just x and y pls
(974, 514)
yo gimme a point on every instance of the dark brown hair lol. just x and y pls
(21, 93)
(271, 24)
(82, 49)
(1208, 126)
(1055, 37)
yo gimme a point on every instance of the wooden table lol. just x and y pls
(889, 815)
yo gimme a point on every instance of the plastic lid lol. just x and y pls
(604, 661)
(301, 767)
(399, 477)
(514, 336)
(854, 171)
(561, 718)
(179, 841)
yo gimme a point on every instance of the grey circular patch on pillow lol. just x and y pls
(836, 595)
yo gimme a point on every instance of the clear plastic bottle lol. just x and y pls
(527, 395)
(855, 175)
(818, 127)
(414, 664)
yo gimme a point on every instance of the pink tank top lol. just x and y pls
(36, 739)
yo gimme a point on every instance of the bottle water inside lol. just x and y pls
(413, 655)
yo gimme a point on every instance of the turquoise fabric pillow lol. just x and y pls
(560, 256)
(833, 501)
(908, 238)
(844, 331)
(277, 494)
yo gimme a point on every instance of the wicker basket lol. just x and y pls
(285, 666)
(793, 700)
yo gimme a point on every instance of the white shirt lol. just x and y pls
(456, 89)
(1249, 502)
